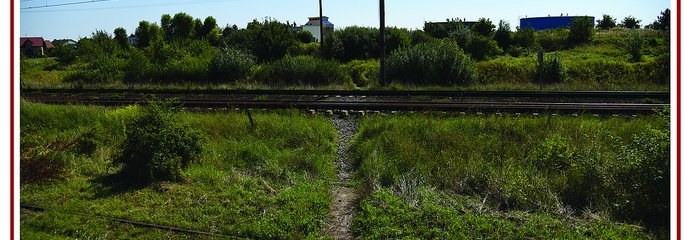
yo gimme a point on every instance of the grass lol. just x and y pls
(270, 182)
(554, 168)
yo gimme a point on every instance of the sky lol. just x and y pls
(75, 19)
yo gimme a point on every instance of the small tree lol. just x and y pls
(121, 37)
(484, 27)
(631, 22)
(663, 22)
(606, 22)
(304, 36)
(502, 35)
(182, 26)
(157, 147)
(524, 37)
(633, 43)
(581, 31)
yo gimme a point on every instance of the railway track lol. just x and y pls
(479, 101)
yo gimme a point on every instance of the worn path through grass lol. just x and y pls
(345, 198)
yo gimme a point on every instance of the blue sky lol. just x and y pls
(79, 20)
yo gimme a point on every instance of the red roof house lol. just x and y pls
(32, 46)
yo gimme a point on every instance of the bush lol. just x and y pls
(363, 72)
(439, 62)
(40, 163)
(550, 71)
(301, 71)
(600, 71)
(156, 147)
(310, 49)
(633, 43)
(552, 40)
(65, 54)
(138, 68)
(506, 70)
(483, 47)
(231, 64)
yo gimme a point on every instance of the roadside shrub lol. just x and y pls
(645, 193)
(550, 71)
(552, 40)
(231, 64)
(138, 68)
(102, 69)
(156, 146)
(363, 72)
(633, 43)
(301, 71)
(599, 71)
(65, 54)
(482, 47)
(439, 62)
(310, 49)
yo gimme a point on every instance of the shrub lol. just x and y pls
(483, 47)
(301, 71)
(550, 71)
(304, 36)
(39, 163)
(633, 43)
(363, 72)
(552, 40)
(138, 68)
(310, 49)
(65, 54)
(506, 70)
(600, 71)
(156, 147)
(231, 64)
(439, 62)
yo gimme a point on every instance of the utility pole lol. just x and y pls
(382, 40)
(321, 37)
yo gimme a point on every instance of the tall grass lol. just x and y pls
(264, 182)
(549, 164)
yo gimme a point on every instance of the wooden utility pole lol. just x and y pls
(382, 40)
(321, 37)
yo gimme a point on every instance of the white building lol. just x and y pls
(313, 27)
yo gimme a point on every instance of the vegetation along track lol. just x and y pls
(496, 101)
(345, 197)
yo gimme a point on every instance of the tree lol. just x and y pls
(606, 22)
(143, 33)
(209, 25)
(198, 32)
(484, 27)
(524, 37)
(419, 36)
(166, 25)
(633, 43)
(630, 22)
(581, 31)
(304, 36)
(502, 35)
(663, 22)
(121, 37)
(181, 26)
(269, 40)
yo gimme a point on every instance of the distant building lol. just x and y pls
(544, 23)
(33, 46)
(133, 40)
(68, 42)
(313, 26)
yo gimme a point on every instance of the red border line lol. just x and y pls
(11, 119)
(678, 67)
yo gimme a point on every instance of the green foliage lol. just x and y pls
(630, 22)
(663, 21)
(484, 27)
(146, 33)
(268, 40)
(463, 36)
(633, 44)
(481, 48)
(502, 35)
(301, 71)
(442, 30)
(231, 64)
(363, 72)
(310, 49)
(121, 37)
(419, 36)
(439, 62)
(581, 31)
(65, 54)
(305, 36)
(157, 147)
(181, 26)
(353, 43)
(606, 22)
(550, 71)
(552, 39)
(507, 70)
(396, 38)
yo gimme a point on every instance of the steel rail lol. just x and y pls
(388, 106)
(441, 93)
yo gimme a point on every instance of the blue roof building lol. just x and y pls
(543, 23)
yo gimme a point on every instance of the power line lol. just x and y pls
(129, 7)
(62, 4)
